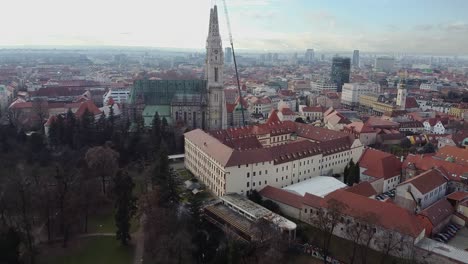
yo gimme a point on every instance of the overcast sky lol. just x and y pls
(429, 26)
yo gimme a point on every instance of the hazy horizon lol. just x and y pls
(415, 27)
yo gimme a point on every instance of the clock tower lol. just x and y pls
(217, 116)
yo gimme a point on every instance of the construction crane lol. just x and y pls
(235, 63)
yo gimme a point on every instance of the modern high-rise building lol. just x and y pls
(228, 57)
(309, 56)
(384, 64)
(356, 59)
(340, 71)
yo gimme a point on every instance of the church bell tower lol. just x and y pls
(217, 116)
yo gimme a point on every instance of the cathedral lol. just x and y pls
(195, 103)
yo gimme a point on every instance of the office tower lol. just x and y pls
(384, 64)
(356, 59)
(340, 71)
(309, 56)
(228, 55)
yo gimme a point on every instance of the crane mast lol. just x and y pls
(235, 63)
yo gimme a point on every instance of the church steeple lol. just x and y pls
(214, 74)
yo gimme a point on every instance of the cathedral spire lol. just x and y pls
(214, 25)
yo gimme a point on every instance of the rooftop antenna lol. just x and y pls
(235, 63)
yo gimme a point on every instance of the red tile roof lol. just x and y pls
(313, 109)
(363, 188)
(458, 196)
(427, 161)
(360, 127)
(379, 164)
(390, 216)
(411, 102)
(377, 122)
(282, 196)
(273, 117)
(460, 155)
(92, 108)
(427, 181)
(438, 212)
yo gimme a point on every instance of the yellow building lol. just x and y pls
(458, 110)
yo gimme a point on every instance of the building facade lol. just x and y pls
(340, 72)
(239, 160)
(351, 92)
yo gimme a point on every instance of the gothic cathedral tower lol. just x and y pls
(217, 116)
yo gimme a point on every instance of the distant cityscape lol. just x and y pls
(184, 156)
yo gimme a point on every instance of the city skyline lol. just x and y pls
(262, 25)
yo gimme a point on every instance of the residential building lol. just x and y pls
(119, 96)
(312, 113)
(322, 86)
(381, 169)
(239, 160)
(419, 192)
(340, 72)
(366, 134)
(384, 217)
(436, 125)
(351, 92)
(459, 111)
(436, 217)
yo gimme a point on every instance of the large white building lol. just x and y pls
(351, 92)
(118, 95)
(384, 64)
(239, 160)
(323, 86)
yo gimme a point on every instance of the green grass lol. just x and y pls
(105, 223)
(93, 250)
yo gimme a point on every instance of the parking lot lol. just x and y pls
(384, 196)
(460, 240)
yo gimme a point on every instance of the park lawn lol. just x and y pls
(91, 250)
(105, 223)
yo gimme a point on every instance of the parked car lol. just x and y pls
(440, 236)
(439, 240)
(455, 226)
(452, 228)
(448, 235)
(453, 233)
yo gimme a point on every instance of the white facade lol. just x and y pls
(351, 91)
(391, 183)
(407, 195)
(243, 178)
(438, 128)
(323, 86)
(118, 95)
(429, 86)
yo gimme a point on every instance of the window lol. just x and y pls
(216, 74)
(305, 210)
(253, 184)
(248, 184)
(253, 173)
(259, 183)
(266, 171)
(248, 174)
(265, 182)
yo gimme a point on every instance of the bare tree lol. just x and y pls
(102, 161)
(327, 220)
(360, 233)
(392, 243)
